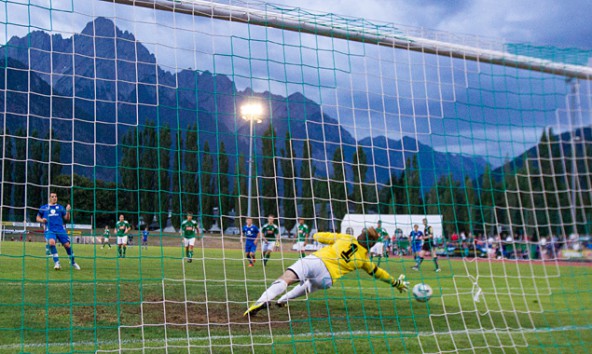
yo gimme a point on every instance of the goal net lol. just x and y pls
(139, 113)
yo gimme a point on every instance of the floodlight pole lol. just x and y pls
(250, 176)
(251, 112)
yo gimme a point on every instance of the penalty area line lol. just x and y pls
(299, 335)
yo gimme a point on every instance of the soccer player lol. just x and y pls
(122, 228)
(320, 270)
(250, 236)
(145, 234)
(269, 234)
(189, 230)
(378, 248)
(52, 216)
(426, 248)
(416, 238)
(106, 234)
(303, 233)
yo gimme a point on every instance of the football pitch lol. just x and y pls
(156, 302)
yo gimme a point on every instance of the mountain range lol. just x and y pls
(102, 76)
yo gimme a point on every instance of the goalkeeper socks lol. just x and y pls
(276, 288)
(54, 253)
(436, 262)
(70, 254)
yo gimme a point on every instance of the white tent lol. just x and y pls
(354, 223)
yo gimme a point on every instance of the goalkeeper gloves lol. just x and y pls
(401, 284)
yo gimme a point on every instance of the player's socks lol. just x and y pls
(419, 261)
(124, 250)
(276, 288)
(298, 291)
(54, 253)
(70, 254)
(190, 254)
(47, 253)
(379, 259)
(436, 262)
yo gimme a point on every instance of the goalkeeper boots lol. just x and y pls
(255, 308)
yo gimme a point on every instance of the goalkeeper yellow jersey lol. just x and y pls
(343, 254)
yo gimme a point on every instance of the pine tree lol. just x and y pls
(164, 174)
(306, 173)
(269, 171)
(177, 180)
(360, 168)
(288, 171)
(189, 176)
(149, 186)
(7, 178)
(56, 149)
(338, 188)
(226, 201)
(35, 176)
(240, 186)
(129, 174)
(413, 187)
(206, 191)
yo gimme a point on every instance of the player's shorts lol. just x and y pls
(250, 247)
(300, 246)
(145, 239)
(416, 247)
(188, 242)
(61, 236)
(122, 240)
(427, 246)
(378, 248)
(313, 269)
(268, 246)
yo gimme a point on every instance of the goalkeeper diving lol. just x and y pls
(320, 270)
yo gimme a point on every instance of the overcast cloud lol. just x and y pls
(564, 23)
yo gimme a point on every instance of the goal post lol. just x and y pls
(166, 125)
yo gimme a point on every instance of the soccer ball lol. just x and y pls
(422, 292)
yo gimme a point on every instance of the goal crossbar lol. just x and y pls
(360, 34)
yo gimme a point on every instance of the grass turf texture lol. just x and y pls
(139, 302)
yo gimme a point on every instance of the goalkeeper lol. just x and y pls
(320, 270)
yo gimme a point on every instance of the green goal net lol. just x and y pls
(165, 125)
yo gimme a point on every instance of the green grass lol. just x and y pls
(155, 301)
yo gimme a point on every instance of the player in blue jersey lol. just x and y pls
(250, 235)
(145, 234)
(416, 238)
(52, 216)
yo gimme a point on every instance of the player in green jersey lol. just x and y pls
(303, 233)
(122, 228)
(378, 248)
(189, 230)
(106, 234)
(270, 235)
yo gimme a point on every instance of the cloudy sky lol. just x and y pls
(565, 23)
(435, 100)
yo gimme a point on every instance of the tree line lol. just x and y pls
(159, 172)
